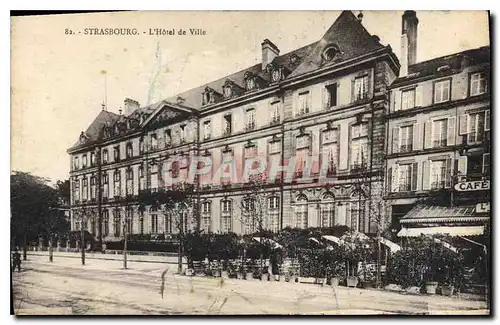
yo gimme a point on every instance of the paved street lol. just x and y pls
(103, 287)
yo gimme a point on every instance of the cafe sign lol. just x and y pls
(473, 186)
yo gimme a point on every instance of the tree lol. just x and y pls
(35, 209)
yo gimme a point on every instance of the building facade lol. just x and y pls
(319, 106)
(324, 126)
(438, 126)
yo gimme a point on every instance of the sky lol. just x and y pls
(58, 84)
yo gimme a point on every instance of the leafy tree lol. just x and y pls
(35, 209)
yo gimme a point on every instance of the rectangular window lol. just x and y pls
(154, 223)
(439, 133)
(154, 142)
(274, 203)
(303, 103)
(92, 188)
(116, 154)
(250, 119)
(359, 145)
(438, 174)
(207, 130)
(168, 138)
(182, 134)
(76, 163)
(360, 88)
(331, 99)
(105, 187)
(405, 173)
(302, 141)
(301, 161)
(442, 91)
(406, 139)
(275, 113)
(141, 145)
(476, 127)
(226, 206)
(92, 159)
(129, 151)
(408, 99)
(105, 156)
(274, 147)
(206, 207)
(227, 125)
(84, 161)
(85, 188)
(330, 136)
(477, 84)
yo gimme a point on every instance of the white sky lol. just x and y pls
(58, 88)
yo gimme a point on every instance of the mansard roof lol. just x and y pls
(443, 65)
(94, 131)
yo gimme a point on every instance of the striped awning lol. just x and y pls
(392, 246)
(268, 241)
(433, 214)
(452, 231)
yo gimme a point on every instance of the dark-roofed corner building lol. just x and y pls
(438, 144)
(326, 101)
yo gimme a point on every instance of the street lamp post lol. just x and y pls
(125, 235)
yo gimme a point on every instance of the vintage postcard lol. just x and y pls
(251, 163)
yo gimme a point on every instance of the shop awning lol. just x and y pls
(452, 231)
(333, 239)
(392, 246)
(271, 242)
(434, 214)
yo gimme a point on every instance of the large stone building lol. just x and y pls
(320, 110)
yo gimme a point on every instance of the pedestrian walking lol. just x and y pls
(16, 261)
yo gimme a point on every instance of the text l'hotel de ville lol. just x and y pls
(134, 31)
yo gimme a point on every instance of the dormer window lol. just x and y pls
(228, 92)
(210, 96)
(276, 75)
(250, 83)
(330, 52)
(294, 59)
(207, 98)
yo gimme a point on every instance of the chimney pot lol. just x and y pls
(130, 106)
(269, 52)
(408, 40)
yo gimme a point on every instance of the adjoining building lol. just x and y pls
(438, 144)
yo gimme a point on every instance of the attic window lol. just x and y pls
(443, 68)
(294, 59)
(276, 75)
(250, 83)
(228, 92)
(330, 52)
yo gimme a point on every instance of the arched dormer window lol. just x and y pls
(250, 82)
(330, 52)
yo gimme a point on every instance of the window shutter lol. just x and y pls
(397, 100)
(462, 165)
(414, 176)
(428, 135)
(487, 120)
(326, 98)
(418, 96)
(463, 125)
(395, 178)
(451, 131)
(389, 180)
(417, 141)
(353, 98)
(395, 140)
(449, 166)
(426, 175)
(486, 161)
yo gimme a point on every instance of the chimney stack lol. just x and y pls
(269, 52)
(408, 41)
(130, 106)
